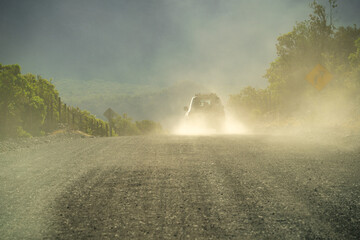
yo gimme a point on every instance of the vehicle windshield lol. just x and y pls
(201, 102)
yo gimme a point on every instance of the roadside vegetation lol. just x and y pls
(30, 106)
(124, 125)
(291, 100)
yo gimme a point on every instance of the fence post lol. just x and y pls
(85, 127)
(73, 118)
(80, 121)
(65, 114)
(51, 112)
(59, 109)
(93, 129)
(68, 116)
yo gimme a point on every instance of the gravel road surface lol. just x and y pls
(182, 187)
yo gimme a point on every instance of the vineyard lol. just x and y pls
(31, 106)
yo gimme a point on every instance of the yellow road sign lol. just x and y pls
(319, 77)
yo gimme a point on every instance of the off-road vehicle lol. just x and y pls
(205, 111)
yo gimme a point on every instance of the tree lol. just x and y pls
(123, 125)
(12, 96)
(148, 127)
(250, 104)
(311, 42)
(354, 75)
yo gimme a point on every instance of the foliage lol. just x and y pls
(250, 103)
(11, 92)
(30, 105)
(124, 125)
(149, 127)
(20, 132)
(311, 42)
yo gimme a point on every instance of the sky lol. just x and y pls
(152, 42)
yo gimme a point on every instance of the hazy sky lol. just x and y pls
(228, 42)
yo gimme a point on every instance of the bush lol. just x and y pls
(20, 132)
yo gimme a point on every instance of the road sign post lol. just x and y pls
(109, 114)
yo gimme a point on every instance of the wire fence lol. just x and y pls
(60, 113)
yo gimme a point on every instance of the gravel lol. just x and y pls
(13, 144)
(182, 187)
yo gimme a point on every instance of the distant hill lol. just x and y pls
(164, 105)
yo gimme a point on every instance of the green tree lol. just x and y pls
(298, 52)
(30, 105)
(250, 104)
(12, 98)
(149, 127)
(311, 42)
(354, 74)
(123, 125)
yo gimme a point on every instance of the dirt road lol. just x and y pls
(181, 187)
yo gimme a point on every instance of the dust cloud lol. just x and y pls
(331, 112)
(229, 126)
(199, 125)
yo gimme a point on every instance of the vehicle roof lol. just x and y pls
(207, 95)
